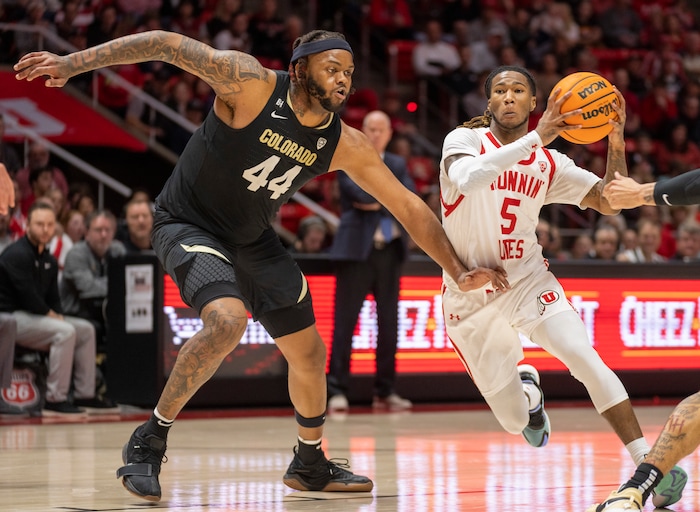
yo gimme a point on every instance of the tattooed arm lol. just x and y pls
(616, 162)
(227, 72)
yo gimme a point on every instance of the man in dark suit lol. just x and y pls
(369, 248)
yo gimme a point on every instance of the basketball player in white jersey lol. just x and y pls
(495, 176)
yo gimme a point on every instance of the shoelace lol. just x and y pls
(342, 464)
(145, 453)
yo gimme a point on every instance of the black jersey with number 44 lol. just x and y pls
(231, 182)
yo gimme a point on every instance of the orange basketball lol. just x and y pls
(594, 95)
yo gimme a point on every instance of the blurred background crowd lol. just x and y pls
(423, 62)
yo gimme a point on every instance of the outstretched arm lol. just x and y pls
(224, 71)
(356, 156)
(681, 190)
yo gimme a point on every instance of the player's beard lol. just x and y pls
(317, 91)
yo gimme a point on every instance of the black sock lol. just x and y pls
(645, 479)
(309, 453)
(157, 426)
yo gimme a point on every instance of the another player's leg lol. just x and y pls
(225, 321)
(659, 475)
(310, 470)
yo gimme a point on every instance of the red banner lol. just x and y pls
(635, 324)
(57, 116)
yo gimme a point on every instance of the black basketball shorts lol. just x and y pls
(262, 274)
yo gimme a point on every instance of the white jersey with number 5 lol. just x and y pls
(494, 224)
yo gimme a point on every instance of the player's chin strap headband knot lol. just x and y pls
(305, 49)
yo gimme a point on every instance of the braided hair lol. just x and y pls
(484, 121)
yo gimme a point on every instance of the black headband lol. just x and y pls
(305, 49)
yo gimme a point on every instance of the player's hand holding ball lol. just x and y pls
(596, 102)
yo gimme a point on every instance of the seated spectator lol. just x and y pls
(75, 16)
(606, 243)
(687, 242)
(29, 290)
(235, 36)
(664, 64)
(186, 21)
(390, 19)
(38, 156)
(40, 183)
(657, 107)
(689, 115)
(434, 57)
(31, 41)
(548, 74)
(582, 247)
(73, 223)
(649, 240)
(590, 33)
(266, 27)
(690, 56)
(545, 239)
(83, 289)
(138, 216)
(677, 149)
(489, 22)
(621, 79)
(311, 236)
(60, 243)
(422, 169)
(114, 96)
(621, 25)
(222, 16)
(86, 204)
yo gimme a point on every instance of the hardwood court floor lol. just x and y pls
(432, 459)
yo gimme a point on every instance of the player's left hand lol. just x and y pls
(480, 276)
(44, 64)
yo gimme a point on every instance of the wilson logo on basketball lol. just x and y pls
(604, 110)
(591, 89)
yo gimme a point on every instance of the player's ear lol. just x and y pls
(533, 103)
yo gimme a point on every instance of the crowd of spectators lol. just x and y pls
(649, 49)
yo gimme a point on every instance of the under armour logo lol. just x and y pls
(452, 317)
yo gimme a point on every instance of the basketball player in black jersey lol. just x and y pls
(267, 135)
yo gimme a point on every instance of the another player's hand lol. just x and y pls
(624, 192)
(552, 122)
(618, 131)
(37, 64)
(7, 191)
(480, 276)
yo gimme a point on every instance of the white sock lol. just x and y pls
(162, 420)
(533, 395)
(310, 442)
(638, 449)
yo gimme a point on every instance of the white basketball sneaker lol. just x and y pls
(537, 431)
